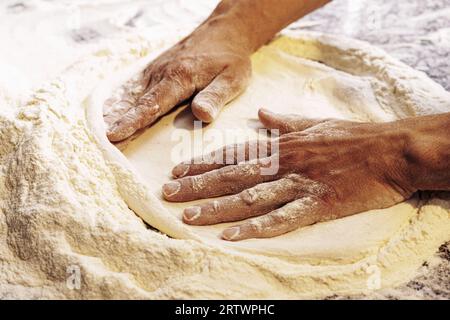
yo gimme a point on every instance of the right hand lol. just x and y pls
(205, 66)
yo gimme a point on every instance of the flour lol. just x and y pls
(284, 81)
(66, 193)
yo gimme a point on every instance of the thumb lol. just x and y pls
(225, 87)
(286, 123)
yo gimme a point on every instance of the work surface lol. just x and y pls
(416, 32)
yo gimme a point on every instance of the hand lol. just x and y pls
(205, 65)
(212, 65)
(328, 169)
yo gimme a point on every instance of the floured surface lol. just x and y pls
(66, 193)
(369, 86)
(282, 83)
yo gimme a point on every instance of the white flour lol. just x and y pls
(66, 230)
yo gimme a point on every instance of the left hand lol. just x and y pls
(328, 169)
(205, 66)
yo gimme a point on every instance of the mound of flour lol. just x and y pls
(67, 230)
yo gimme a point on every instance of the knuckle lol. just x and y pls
(236, 82)
(314, 188)
(249, 196)
(146, 100)
(278, 217)
(227, 173)
(197, 183)
(295, 178)
(180, 70)
(181, 77)
(254, 227)
(216, 207)
(328, 195)
(210, 97)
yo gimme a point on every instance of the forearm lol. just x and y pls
(251, 23)
(427, 152)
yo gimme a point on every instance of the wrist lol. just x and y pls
(427, 151)
(240, 23)
(225, 30)
(246, 25)
(257, 21)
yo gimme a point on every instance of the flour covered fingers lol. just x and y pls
(149, 107)
(251, 202)
(298, 213)
(223, 88)
(228, 155)
(227, 180)
(124, 98)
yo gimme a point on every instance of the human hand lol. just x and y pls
(328, 169)
(205, 65)
(212, 65)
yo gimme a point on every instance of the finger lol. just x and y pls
(255, 201)
(231, 154)
(114, 108)
(153, 104)
(286, 123)
(296, 214)
(224, 88)
(124, 98)
(228, 180)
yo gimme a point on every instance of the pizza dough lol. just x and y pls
(67, 230)
(313, 76)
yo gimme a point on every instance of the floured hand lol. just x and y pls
(202, 66)
(212, 65)
(327, 169)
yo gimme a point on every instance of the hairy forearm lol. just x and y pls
(427, 152)
(251, 23)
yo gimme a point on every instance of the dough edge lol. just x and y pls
(398, 259)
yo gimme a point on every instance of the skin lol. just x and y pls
(327, 168)
(211, 66)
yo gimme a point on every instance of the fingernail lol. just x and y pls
(192, 213)
(180, 170)
(171, 188)
(210, 109)
(231, 233)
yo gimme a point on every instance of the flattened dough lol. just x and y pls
(313, 76)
